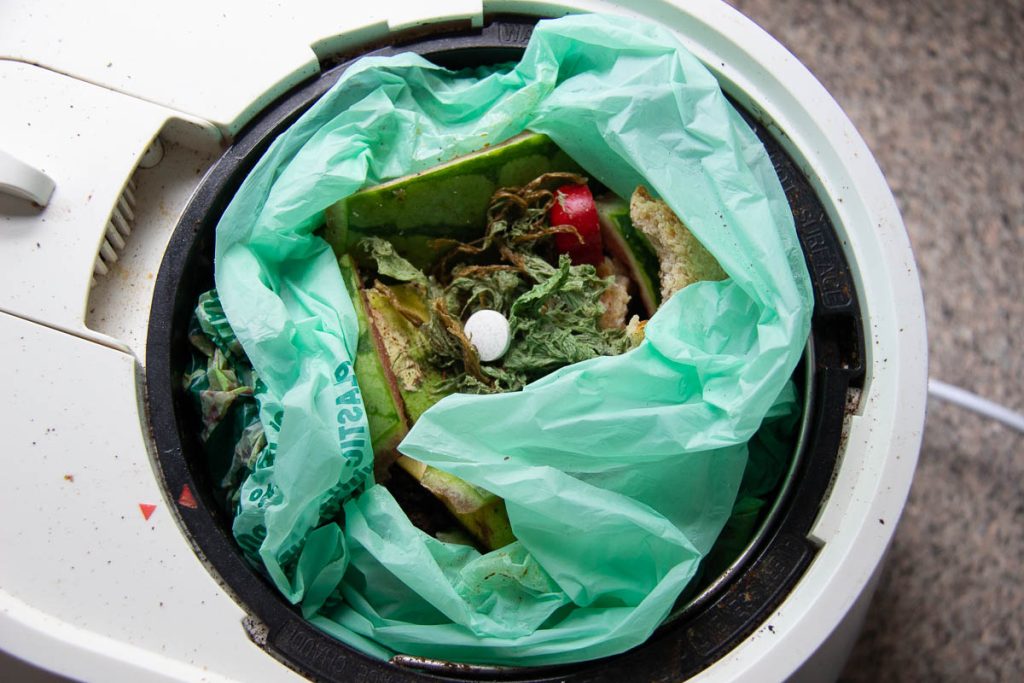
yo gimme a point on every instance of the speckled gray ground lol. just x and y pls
(936, 88)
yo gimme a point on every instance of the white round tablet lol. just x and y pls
(489, 333)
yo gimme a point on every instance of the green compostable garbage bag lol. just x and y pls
(619, 472)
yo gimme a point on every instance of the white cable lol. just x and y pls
(982, 406)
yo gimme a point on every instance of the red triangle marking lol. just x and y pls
(147, 509)
(186, 499)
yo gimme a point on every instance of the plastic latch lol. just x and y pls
(418, 15)
(26, 182)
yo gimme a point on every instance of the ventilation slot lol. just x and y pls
(118, 228)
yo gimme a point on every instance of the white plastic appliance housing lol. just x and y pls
(124, 110)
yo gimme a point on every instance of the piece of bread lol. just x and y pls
(616, 298)
(683, 260)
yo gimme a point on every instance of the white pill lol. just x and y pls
(489, 333)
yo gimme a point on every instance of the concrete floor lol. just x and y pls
(936, 87)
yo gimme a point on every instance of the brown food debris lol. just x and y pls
(684, 260)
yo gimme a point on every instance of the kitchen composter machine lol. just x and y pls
(140, 574)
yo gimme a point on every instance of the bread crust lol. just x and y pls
(683, 259)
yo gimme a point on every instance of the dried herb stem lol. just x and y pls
(412, 316)
(470, 357)
(545, 232)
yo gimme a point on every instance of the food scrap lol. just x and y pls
(479, 276)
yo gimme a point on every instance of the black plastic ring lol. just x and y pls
(675, 652)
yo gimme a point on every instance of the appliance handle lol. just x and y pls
(24, 181)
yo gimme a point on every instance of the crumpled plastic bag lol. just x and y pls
(618, 473)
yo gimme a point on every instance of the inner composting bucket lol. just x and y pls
(727, 602)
